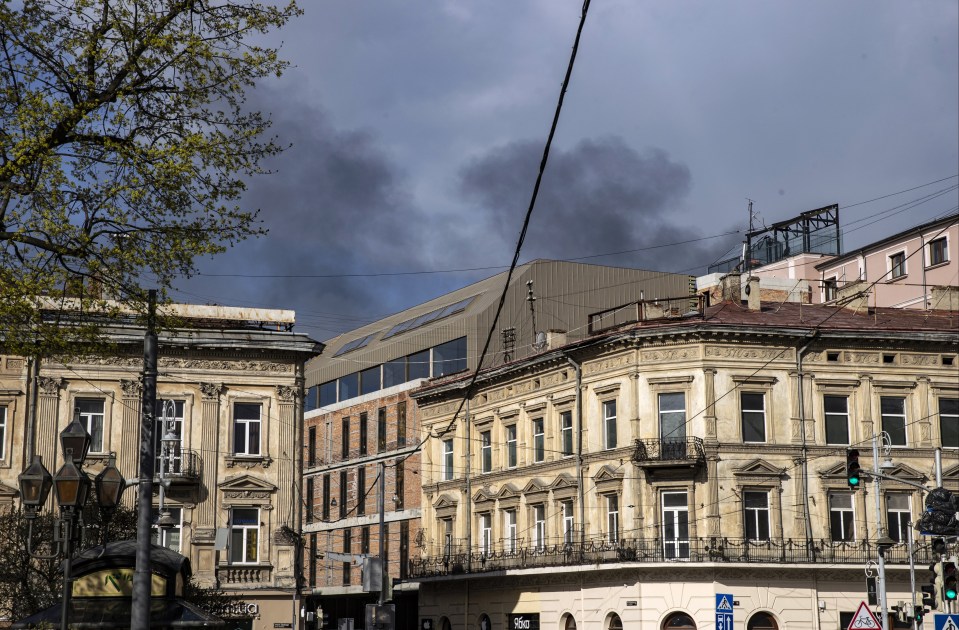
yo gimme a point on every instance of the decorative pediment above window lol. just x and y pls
(482, 421)
(834, 476)
(563, 401)
(535, 487)
(904, 472)
(535, 408)
(759, 471)
(506, 415)
(754, 379)
(950, 477)
(564, 486)
(483, 500)
(881, 385)
(246, 490)
(606, 391)
(445, 506)
(508, 496)
(608, 480)
(7, 494)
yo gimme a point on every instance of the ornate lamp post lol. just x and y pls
(71, 487)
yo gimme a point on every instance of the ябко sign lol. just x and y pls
(523, 621)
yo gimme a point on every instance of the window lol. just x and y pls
(612, 518)
(679, 621)
(672, 419)
(91, 417)
(486, 533)
(486, 452)
(168, 537)
(311, 447)
(326, 498)
(449, 357)
(509, 527)
(830, 287)
(364, 434)
(381, 429)
(568, 522)
(754, 416)
(246, 428)
(898, 515)
(404, 549)
(370, 380)
(539, 440)
(312, 567)
(447, 537)
(343, 494)
(756, 515)
(327, 393)
(566, 432)
(401, 424)
(345, 438)
(168, 418)
(244, 535)
(836, 412)
(539, 526)
(365, 539)
(511, 446)
(418, 365)
(938, 251)
(349, 386)
(675, 525)
(613, 622)
(400, 484)
(3, 432)
(609, 424)
(897, 265)
(893, 412)
(310, 498)
(841, 526)
(762, 621)
(311, 398)
(447, 459)
(347, 548)
(949, 422)
(394, 372)
(360, 491)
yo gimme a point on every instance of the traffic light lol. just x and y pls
(949, 588)
(323, 618)
(917, 613)
(853, 469)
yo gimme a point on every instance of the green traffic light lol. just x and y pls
(854, 481)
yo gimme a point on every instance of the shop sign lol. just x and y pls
(523, 621)
(242, 609)
(114, 583)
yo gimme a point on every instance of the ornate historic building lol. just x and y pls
(629, 479)
(229, 391)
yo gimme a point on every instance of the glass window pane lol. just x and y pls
(349, 386)
(370, 380)
(327, 393)
(449, 357)
(949, 422)
(418, 365)
(394, 372)
(246, 411)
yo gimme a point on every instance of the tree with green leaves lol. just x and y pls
(125, 145)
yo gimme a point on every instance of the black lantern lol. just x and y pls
(35, 483)
(110, 484)
(75, 440)
(71, 485)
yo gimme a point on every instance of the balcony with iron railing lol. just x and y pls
(515, 555)
(669, 452)
(182, 467)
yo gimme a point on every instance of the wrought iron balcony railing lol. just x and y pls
(184, 466)
(505, 556)
(687, 451)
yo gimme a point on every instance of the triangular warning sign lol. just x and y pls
(724, 605)
(864, 619)
(950, 624)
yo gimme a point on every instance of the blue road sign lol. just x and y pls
(946, 622)
(724, 611)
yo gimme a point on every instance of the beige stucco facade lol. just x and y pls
(235, 395)
(636, 475)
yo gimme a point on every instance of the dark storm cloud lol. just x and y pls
(600, 196)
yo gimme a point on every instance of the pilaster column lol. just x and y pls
(926, 413)
(287, 431)
(866, 410)
(128, 459)
(47, 429)
(711, 436)
(712, 501)
(204, 524)
(799, 521)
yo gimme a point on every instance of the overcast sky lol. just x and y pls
(417, 130)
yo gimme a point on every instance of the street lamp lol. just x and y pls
(71, 487)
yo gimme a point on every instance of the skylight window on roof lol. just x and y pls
(439, 313)
(354, 345)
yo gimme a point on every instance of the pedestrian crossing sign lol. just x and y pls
(724, 603)
(946, 621)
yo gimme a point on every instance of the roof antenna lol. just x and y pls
(537, 344)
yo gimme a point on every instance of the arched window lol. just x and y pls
(568, 622)
(679, 621)
(762, 621)
(484, 623)
(445, 624)
(613, 622)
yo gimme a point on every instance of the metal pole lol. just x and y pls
(66, 521)
(880, 533)
(938, 467)
(140, 609)
(912, 574)
(381, 500)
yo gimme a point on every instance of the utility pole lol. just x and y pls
(140, 609)
(880, 536)
(381, 500)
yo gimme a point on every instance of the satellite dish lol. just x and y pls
(540, 342)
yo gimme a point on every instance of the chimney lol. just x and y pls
(731, 285)
(752, 294)
(555, 338)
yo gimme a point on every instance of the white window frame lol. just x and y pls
(486, 451)
(944, 239)
(946, 417)
(448, 459)
(3, 432)
(89, 419)
(904, 416)
(447, 537)
(902, 515)
(758, 516)
(566, 433)
(830, 289)
(539, 440)
(163, 536)
(511, 457)
(159, 430)
(891, 265)
(842, 509)
(509, 527)
(539, 526)
(244, 530)
(764, 411)
(486, 533)
(826, 415)
(569, 522)
(609, 424)
(677, 547)
(612, 518)
(248, 447)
